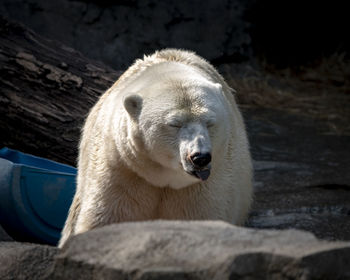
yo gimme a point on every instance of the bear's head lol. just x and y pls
(180, 130)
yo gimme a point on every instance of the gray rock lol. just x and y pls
(119, 32)
(4, 236)
(199, 250)
(302, 177)
(25, 261)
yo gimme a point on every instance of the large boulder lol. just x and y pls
(25, 261)
(199, 250)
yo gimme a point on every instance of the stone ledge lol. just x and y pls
(25, 260)
(199, 250)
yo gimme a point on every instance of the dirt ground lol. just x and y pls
(320, 90)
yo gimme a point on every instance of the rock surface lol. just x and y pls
(199, 250)
(117, 32)
(46, 91)
(25, 261)
(302, 177)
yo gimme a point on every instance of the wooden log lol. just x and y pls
(46, 91)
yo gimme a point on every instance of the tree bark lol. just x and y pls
(46, 90)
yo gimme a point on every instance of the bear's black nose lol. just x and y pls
(200, 160)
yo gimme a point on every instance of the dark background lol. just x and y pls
(283, 33)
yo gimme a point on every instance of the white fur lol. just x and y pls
(133, 155)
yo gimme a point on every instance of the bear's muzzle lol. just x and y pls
(200, 165)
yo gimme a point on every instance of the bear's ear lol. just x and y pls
(133, 105)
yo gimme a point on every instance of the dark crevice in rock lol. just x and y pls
(332, 187)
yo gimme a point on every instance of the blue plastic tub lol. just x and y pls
(35, 196)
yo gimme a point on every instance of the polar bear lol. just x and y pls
(166, 141)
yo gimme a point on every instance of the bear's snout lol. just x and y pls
(199, 165)
(200, 160)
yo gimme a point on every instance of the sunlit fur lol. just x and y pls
(133, 156)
